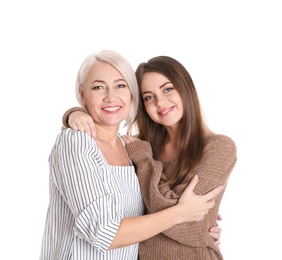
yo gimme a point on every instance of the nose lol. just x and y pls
(109, 96)
(160, 102)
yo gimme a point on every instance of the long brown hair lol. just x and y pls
(191, 125)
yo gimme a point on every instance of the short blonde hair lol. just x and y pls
(125, 69)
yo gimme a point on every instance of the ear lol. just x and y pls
(81, 93)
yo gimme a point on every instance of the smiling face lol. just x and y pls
(162, 102)
(106, 95)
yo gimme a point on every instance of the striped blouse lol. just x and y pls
(88, 199)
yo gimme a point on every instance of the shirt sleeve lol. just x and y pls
(217, 163)
(77, 171)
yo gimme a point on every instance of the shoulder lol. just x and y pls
(73, 138)
(70, 134)
(220, 154)
(219, 140)
(220, 144)
(76, 146)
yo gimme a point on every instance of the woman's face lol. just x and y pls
(106, 95)
(162, 102)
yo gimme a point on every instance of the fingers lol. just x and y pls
(73, 126)
(210, 203)
(213, 193)
(217, 243)
(126, 139)
(89, 128)
(83, 122)
(198, 206)
(80, 126)
(215, 233)
(192, 184)
(86, 127)
(215, 236)
(93, 131)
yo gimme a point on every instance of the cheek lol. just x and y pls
(181, 108)
(92, 100)
(127, 99)
(150, 109)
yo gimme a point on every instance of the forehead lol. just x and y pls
(153, 80)
(103, 71)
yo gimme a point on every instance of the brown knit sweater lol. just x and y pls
(188, 240)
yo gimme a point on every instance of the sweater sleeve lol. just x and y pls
(77, 170)
(66, 115)
(149, 173)
(215, 168)
(218, 161)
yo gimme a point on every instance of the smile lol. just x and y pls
(111, 109)
(164, 112)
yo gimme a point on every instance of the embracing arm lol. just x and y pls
(77, 118)
(76, 174)
(161, 196)
(134, 230)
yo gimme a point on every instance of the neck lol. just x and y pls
(111, 146)
(107, 134)
(172, 136)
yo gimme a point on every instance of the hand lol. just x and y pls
(194, 207)
(129, 139)
(215, 233)
(83, 122)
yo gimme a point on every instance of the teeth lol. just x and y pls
(165, 111)
(111, 108)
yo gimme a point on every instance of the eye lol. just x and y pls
(169, 89)
(97, 87)
(147, 98)
(121, 86)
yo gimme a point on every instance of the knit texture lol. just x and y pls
(188, 240)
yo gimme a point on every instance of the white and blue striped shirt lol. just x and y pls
(88, 199)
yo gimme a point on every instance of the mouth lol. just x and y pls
(111, 109)
(165, 111)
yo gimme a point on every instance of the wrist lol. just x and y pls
(67, 114)
(178, 211)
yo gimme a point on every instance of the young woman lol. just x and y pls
(95, 209)
(170, 119)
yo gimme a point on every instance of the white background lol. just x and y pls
(232, 50)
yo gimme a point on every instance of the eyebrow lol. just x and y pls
(160, 87)
(102, 81)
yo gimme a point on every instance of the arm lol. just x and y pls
(76, 173)
(134, 230)
(76, 166)
(78, 119)
(161, 196)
